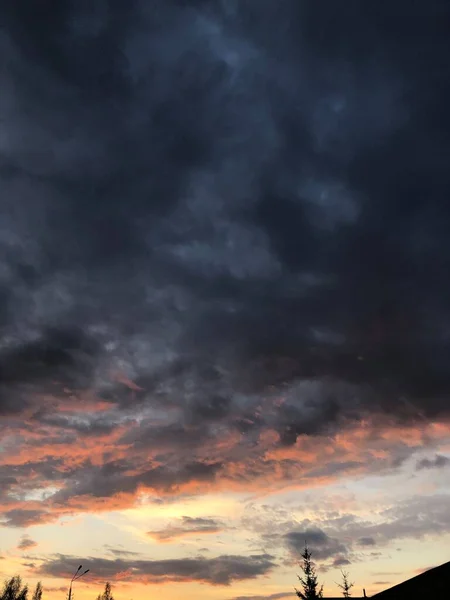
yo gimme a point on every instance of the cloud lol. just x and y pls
(113, 478)
(215, 232)
(335, 536)
(340, 561)
(438, 461)
(22, 517)
(120, 551)
(414, 518)
(323, 545)
(110, 470)
(417, 517)
(366, 541)
(26, 543)
(187, 526)
(222, 570)
(236, 242)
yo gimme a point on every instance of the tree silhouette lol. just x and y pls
(310, 586)
(37, 594)
(13, 590)
(345, 586)
(107, 594)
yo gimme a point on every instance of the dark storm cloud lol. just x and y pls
(222, 570)
(218, 197)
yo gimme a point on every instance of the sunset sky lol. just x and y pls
(224, 294)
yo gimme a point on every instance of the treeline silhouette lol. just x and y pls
(14, 589)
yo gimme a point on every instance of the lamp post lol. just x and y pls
(74, 578)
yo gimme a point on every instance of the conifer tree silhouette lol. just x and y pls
(107, 593)
(310, 586)
(346, 585)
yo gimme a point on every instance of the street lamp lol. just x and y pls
(74, 578)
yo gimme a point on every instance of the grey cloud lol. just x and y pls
(59, 352)
(366, 541)
(187, 526)
(346, 537)
(92, 426)
(32, 476)
(167, 437)
(413, 518)
(225, 206)
(120, 551)
(321, 545)
(230, 181)
(340, 561)
(114, 477)
(21, 517)
(7, 480)
(438, 461)
(222, 570)
(26, 543)
(49, 468)
(417, 517)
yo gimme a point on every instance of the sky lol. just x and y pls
(224, 294)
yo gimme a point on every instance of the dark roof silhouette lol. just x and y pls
(434, 583)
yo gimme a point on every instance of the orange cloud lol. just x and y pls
(106, 464)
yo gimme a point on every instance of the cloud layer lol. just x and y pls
(186, 527)
(208, 205)
(222, 570)
(224, 261)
